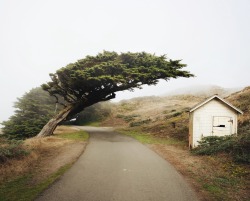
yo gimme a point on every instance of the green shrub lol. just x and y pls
(127, 118)
(139, 123)
(237, 146)
(33, 110)
(174, 114)
(11, 149)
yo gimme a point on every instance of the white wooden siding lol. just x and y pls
(203, 117)
(222, 125)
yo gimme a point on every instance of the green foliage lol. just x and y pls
(97, 78)
(93, 123)
(23, 188)
(147, 138)
(214, 144)
(237, 146)
(173, 114)
(127, 118)
(33, 111)
(79, 136)
(127, 106)
(139, 123)
(11, 149)
(176, 124)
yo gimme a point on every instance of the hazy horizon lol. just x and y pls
(39, 37)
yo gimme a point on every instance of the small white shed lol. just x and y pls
(213, 117)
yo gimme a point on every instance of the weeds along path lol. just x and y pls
(23, 178)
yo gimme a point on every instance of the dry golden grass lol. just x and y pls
(215, 178)
(42, 150)
(154, 107)
(15, 167)
(222, 179)
(38, 148)
(42, 144)
(168, 115)
(65, 129)
(241, 100)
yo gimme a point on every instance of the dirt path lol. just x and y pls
(116, 167)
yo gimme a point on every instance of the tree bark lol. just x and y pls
(71, 110)
(49, 128)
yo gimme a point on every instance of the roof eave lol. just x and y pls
(213, 97)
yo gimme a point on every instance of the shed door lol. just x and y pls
(222, 126)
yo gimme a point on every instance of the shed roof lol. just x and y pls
(220, 99)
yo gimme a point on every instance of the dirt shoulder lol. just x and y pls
(184, 163)
(47, 156)
(54, 154)
(213, 178)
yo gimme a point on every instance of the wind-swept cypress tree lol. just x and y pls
(97, 78)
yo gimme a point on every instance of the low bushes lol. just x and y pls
(237, 146)
(132, 119)
(11, 149)
(139, 123)
(127, 118)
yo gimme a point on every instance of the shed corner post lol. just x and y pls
(190, 132)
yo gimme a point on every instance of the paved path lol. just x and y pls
(118, 168)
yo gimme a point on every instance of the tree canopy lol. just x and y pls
(97, 78)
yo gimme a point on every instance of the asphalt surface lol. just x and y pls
(118, 168)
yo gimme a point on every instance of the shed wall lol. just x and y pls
(202, 119)
(191, 130)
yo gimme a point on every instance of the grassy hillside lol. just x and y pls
(241, 100)
(162, 124)
(160, 116)
(169, 116)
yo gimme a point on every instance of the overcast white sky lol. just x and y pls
(39, 37)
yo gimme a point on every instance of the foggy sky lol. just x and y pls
(39, 37)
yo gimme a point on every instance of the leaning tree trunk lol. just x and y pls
(49, 128)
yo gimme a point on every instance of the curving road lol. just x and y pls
(118, 168)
